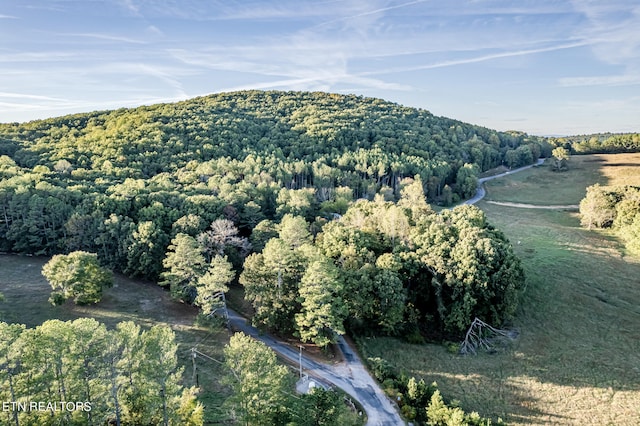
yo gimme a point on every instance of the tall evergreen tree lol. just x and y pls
(323, 309)
(184, 264)
(213, 284)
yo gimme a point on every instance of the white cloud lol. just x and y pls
(43, 56)
(30, 97)
(613, 28)
(107, 37)
(607, 80)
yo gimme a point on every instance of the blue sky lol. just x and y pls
(540, 66)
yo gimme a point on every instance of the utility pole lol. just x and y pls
(194, 378)
(300, 359)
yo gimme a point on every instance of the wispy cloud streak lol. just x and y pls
(477, 59)
(106, 37)
(608, 80)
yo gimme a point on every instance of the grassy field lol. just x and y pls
(26, 301)
(577, 360)
(541, 186)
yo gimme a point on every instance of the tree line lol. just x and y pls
(383, 267)
(80, 373)
(599, 143)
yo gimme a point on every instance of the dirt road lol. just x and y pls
(350, 375)
(480, 192)
(535, 206)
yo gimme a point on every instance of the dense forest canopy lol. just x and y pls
(286, 125)
(112, 182)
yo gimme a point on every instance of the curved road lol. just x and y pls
(351, 376)
(480, 192)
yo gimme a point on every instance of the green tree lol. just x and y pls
(161, 376)
(145, 251)
(300, 202)
(474, 272)
(294, 230)
(260, 385)
(413, 198)
(439, 414)
(10, 365)
(271, 282)
(189, 224)
(211, 286)
(184, 264)
(263, 232)
(76, 276)
(323, 309)
(632, 235)
(467, 180)
(560, 158)
(598, 207)
(447, 196)
(325, 408)
(113, 240)
(147, 384)
(86, 368)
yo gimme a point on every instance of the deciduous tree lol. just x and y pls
(76, 276)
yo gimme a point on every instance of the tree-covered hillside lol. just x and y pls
(113, 180)
(297, 138)
(129, 184)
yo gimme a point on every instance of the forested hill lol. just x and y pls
(348, 132)
(70, 182)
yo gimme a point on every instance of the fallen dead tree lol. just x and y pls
(482, 336)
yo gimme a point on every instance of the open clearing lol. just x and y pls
(541, 186)
(577, 360)
(26, 301)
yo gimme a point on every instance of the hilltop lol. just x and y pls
(285, 125)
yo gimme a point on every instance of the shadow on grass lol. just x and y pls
(480, 383)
